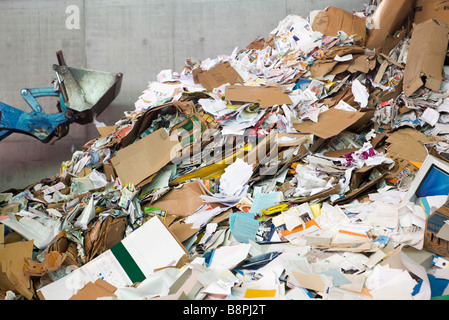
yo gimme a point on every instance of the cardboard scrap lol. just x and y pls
(52, 262)
(218, 75)
(183, 231)
(257, 44)
(12, 257)
(103, 235)
(267, 96)
(330, 123)
(104, 131)
(181, 201)
(409, 144)
(436, 237)
(310, 281)
(145, 157)
(332, 20)
(389, 16)
(431, 9)
(95, 290)
(426, 56)
(320, 68)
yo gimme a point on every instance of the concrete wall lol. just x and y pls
(136, 37)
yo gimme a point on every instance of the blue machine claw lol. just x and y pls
(35, 123)
(85, 91)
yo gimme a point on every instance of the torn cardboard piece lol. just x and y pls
(218, 75)
(103, 235)
(362, 63)
(320, 68)
(145, 157)
(426, 56)
(266, 96)
(409, 144)
(52, 262)
(330, 123)
(257, 44)
(332, 20)
(444, 231)
(95, 290)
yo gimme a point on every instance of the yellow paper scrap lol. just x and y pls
(259, 293)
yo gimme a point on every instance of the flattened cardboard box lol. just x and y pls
(132, 260)
(145, 157)
(426, 56)
(436, 233)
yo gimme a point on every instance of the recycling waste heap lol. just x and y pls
(311, 164)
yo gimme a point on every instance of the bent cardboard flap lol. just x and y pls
(144, 157)
(426, 56)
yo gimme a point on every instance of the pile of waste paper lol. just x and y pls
(312, 164)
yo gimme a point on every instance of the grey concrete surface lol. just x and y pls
(136, 37)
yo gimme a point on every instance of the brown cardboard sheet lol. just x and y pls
(431, 9)
(331, 20)
(266, 96)
(409, 144)
(426, 56)
(330, 123)
(95, 290)
(218, 75)
(182, 201)
(144, 157)
(12, 259)
(388, 18)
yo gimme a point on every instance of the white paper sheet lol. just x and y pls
(229, 256)
(360, 93)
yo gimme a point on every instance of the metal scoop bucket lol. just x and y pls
(86, 92)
